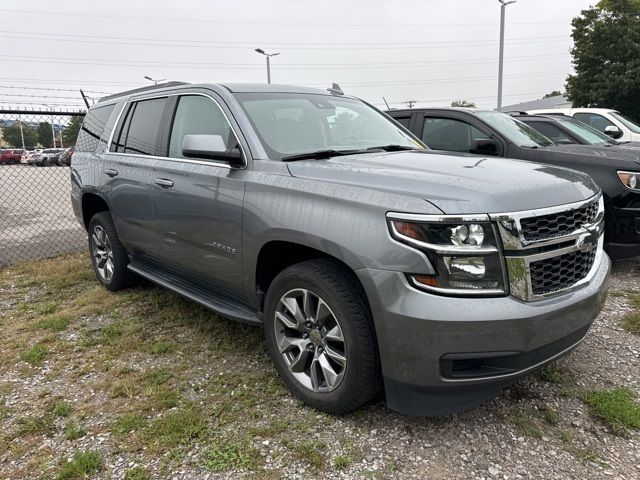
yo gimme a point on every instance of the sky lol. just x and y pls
(424, 50)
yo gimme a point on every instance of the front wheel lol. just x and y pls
(321, 337)
(108, 256)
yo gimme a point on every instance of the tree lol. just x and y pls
(555, 93)
(606, 57)
(463, 103)
(12, 137)
(70, 131)
(44, 134)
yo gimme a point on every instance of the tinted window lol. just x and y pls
(142, 137)
(198, 115)
(404, 121)
(516, 131)
(92, 128)
(596, 121)
(549, 130)
(449, 134)
(120, 132)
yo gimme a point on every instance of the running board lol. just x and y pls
(226, 308)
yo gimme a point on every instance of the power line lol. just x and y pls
(262, 22)
(52, 89)
(294, 46)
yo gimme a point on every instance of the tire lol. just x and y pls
(323, 383)
(105, 249)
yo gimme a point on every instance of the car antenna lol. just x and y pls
(335, 89)
(385, 102)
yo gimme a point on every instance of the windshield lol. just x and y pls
(626, 122)
(515, 130)
(296, 123)
(590, 134)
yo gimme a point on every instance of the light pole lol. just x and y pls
(155, 82)
(268, 55)
(504, 3)
(53, 132)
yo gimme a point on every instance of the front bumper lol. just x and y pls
(420, 335)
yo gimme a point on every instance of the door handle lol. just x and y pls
(163, 182)
(111, 172)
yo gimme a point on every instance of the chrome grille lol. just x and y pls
(557, 224)
(558, 273)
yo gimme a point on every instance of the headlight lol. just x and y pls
(464, 255)
(630, 180)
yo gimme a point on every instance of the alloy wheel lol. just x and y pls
(102, 253)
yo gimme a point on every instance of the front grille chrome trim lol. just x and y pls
(589, 235)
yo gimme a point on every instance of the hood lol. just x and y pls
(456, 184)
(619, 156)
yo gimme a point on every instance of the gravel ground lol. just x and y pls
(160, 388)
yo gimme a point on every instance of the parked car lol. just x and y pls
(36, 158)
(65, 157)
(26, 155)
(50, 156)
(11, 156)
(489, 133)
(367, 258)
(605, 120)
(564, 130)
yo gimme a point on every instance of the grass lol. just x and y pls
(61, 409)
(35, 425)
(342, 462)
(35, 354)
(223, 456)
(526, 425)
(128, 423)
(55, 323)
(616, 407)
(162, 347)
(136, 473)
(631, 322)
(73, 431)
(82, 465)
(311, 452)
(176, 428)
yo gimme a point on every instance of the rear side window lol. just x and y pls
(404, 121)
(92, 128)
(143, 135)
(549, 130)
(198, 115)
(593, 119)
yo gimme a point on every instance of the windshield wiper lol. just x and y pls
(392, 148)
(319, 155)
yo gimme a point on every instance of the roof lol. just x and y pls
(420, 109)
(557, 101)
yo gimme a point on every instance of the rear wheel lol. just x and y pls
(321, 337)
(108, 256)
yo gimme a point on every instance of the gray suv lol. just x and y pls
(369, 260)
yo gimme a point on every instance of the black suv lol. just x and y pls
(489, 133)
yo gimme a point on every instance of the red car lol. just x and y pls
(11, 157)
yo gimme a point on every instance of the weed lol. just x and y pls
(555, 374)
(225, 456)
(566, 436)
(82, 465)
(128, 422)
(590, 455)
(176, 428)
(56, 323)
(73, 431)
(33, 425)
(136, 473)
(34, 355)
(162, 347)
(311, 452)
(550, 416)
(341, 462)
(158, 377)
(526, 424)
(61, 409)
(616, 407)
(631, 322)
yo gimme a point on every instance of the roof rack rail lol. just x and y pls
(143, 89)
(516, 112)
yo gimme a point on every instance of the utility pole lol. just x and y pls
(53, 132)
(21, 132)
(503, 3)
(268, 55)
(410, 103)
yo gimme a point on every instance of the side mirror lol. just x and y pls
(613, 131)
(484, 146)
(210, 147)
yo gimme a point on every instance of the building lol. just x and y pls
(559, 101)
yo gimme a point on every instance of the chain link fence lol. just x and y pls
(36, 217)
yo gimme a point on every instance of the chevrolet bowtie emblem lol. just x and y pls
(588, 240)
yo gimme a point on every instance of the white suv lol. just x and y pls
(606, 120)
